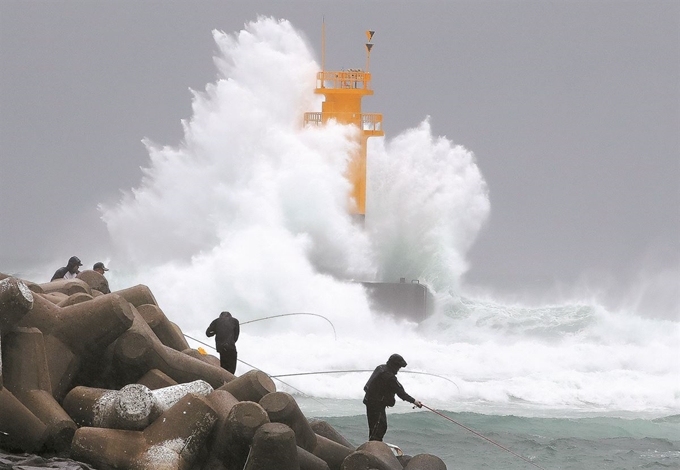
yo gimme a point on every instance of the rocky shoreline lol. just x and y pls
(107, 379)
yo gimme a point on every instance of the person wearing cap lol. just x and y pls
(103, 283)
(99, 267)
(380, 390)
(225, 329)
(69, 271)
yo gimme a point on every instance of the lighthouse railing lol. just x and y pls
(349, 79)
(369, 123)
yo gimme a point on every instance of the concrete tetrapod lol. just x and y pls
(74, 299)
(15, 301)
(20, 429)
(172, 442)
(155, 379)
(76, 333)
(166, 397)
(66, 287)
(282, 408)
(95, 280)
(251, 386)
(372, 455)
(331, 452)
(166, 331)
(101, 408)
(233, 438)
(32, 286)
(309, 461)
(27, 377)
(56, 297)
(137, 295)
(425, 462)
(222, 402)
(273, 449)
(322, 428)
(133, 407)
(207, 358)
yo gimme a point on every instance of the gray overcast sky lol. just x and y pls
(572, 109)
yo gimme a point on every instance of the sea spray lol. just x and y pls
(427, 202)
(249, 210)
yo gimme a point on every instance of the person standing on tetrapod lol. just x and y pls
(380, 390)
(226, 329)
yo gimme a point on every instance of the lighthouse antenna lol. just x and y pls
(369, 46)
(369, 35)
(323, 44)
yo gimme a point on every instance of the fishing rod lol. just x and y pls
(482, 436)
(257, 368)
(365, 370)
(289, 314)
(287, 384)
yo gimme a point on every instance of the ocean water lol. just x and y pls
(248, 214)
(550, 443)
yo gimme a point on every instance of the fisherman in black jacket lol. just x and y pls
(70, 271)
(380, 390)
(226, 329)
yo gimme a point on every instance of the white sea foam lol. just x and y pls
(248, 214)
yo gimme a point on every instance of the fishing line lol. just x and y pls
(366, 370)
(289, 314)
(482, 436)
(287, 384)
(257, 368)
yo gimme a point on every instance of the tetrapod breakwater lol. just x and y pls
(107, 379)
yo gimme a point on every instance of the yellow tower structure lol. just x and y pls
(343, 92)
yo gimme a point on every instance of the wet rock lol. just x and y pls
(155, 379)
(251, 386)
(15, 301)
(322, 428)
(273, 449)
(372, 455)
(26, 375)
(173, 441)
(95, 280)
(133, 407)
(282, 408)
(425, 462)
(167, 332)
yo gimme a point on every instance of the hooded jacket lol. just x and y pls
(226, 329)
(383, 385)
(65, 272)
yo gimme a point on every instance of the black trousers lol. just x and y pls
(228, 359)
(377, 421)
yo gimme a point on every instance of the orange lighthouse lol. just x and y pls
(343, 92)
